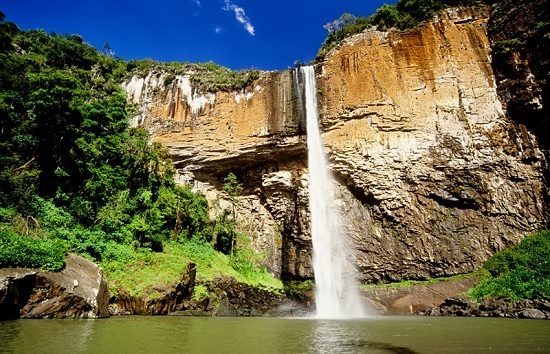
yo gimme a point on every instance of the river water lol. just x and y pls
(170, 334)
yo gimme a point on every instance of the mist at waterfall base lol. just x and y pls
(336, 295)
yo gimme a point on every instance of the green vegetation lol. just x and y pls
(74, 177)
(211, 77)
(518, 273)
(404, 15)
(49, 254)
(208, 77)
(140, 269)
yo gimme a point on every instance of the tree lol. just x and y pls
(227, 220)
(107, 50)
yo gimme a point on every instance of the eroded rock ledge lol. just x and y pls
(225, 297)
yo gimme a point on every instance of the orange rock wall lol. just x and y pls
(433, 177)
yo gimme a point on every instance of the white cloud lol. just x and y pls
(198, 3)
(240, 15)
(217, 29)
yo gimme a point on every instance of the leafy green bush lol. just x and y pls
(30, 252)
(301, 290)
(211, 77)
(520, 272)
(208, 77)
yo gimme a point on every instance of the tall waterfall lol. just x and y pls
(335, 295)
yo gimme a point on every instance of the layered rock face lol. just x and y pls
(433, 177)
(417, 133)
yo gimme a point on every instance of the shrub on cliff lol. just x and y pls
(520, 272)
(207, 77)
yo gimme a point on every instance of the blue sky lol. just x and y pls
(238, 34)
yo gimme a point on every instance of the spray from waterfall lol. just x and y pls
(336, 294)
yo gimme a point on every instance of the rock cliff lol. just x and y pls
(433, 177)
(417, 133)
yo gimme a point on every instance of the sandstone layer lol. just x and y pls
(433, 177)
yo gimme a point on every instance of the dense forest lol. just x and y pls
(75, 177)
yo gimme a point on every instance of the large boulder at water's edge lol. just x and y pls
(78, 291)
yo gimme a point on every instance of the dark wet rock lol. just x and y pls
(543, 305)
(494, 307)
(457, 306)
(226, 309)
(16, 285)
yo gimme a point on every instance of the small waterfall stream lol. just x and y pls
(336, 296)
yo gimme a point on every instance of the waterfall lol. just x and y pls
(336, 296)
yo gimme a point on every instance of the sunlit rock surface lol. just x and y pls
(433, 177)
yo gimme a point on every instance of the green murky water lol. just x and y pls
(134, 334)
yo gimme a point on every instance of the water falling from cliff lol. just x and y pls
(335, 294)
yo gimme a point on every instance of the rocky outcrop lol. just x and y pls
(223, 297)
(242, 300)
(463, 307)
(433, 177)
(415, 298)
(160, 299)
(518, 31)
(78, 291)
(208, 133)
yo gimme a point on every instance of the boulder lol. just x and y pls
(78, 291)
(532, 313)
